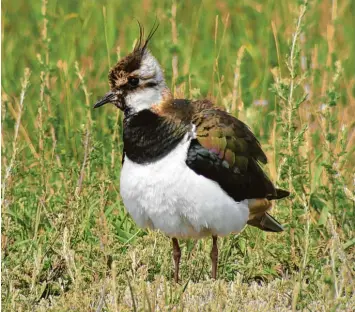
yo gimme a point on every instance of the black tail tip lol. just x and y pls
(270, 224)
(266, 223)
(279, 194)
(282, 193)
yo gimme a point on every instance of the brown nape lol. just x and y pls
(180, 109)
(174, 109)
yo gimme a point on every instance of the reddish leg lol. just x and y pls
(214, 256)
(176, 256)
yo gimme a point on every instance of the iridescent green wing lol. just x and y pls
(225, 150)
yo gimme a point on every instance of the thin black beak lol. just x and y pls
(109, 97)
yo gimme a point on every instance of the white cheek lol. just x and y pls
(147, 97)
(143, 99)
(150, 68)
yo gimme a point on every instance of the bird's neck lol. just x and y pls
(148, 136)
(146, 98)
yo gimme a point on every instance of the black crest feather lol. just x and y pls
(142, 43)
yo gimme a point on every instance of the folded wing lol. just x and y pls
(226, 151)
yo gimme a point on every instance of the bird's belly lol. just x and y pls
(169, 196)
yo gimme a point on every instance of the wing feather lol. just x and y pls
(226, 151)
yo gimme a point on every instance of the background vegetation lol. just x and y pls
(67, 242)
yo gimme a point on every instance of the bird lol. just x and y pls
(189, 168)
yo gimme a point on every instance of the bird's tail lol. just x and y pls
(279, 194)
(266, 223)
(259, 216)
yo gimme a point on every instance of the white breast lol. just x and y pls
(169, 196)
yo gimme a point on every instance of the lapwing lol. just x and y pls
(189, 168)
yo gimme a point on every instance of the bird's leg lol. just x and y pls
(177, 256)
(214, 256)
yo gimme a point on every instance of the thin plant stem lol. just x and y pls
(24, 86)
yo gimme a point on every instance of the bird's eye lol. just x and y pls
(133, 81)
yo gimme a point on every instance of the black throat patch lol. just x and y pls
(148, 137)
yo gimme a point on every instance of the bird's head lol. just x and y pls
(137, 81)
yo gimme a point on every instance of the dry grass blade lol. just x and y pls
(24, 86)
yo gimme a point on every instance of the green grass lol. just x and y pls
(67, 241)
